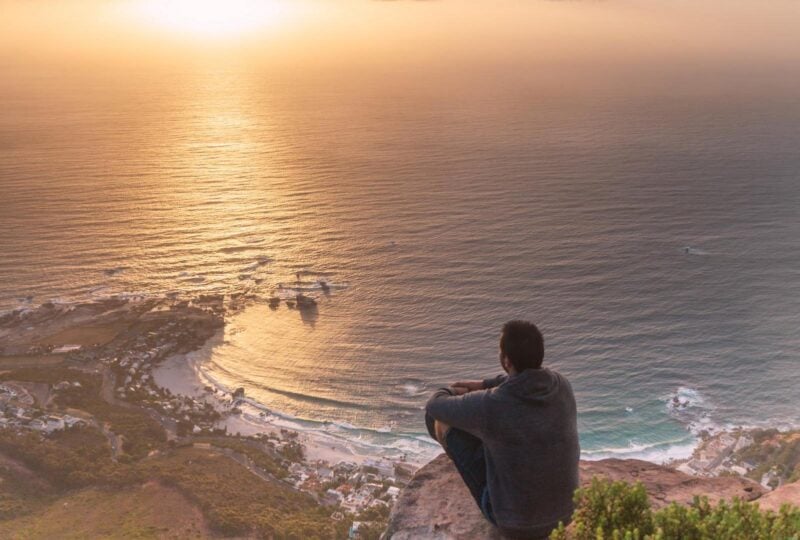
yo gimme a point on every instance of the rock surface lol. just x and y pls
(436, 505)
(665, 485)
(787, 493)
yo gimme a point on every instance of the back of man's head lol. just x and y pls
(522, 344)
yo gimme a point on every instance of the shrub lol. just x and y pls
(608, 510)
(236, 502)
(68, 459)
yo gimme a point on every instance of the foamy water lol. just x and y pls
(651, 230)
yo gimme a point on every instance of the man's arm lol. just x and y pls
(495, 381)
(462, 387)
(459, 411)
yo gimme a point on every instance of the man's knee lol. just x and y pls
(441, 429)
(437, 430)
(430, 424)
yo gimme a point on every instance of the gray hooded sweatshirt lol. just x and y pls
(528, 425)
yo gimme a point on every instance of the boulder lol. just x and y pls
(436, 504)
(665, 484)
(786, 494)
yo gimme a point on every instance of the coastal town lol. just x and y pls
(768, 456)
(105, 354)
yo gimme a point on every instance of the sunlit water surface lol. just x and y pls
(438, 211)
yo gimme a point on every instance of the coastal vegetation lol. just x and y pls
(151, 510)
(73, 458)
(237, 502)
(233, 499)
(21, 491)
(607, 510)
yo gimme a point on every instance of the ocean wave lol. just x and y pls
(385, 441)
(691, 408)
(381, 442)
(99, 292)
(313, 288)
(259, 262)
(688, 405)
(656, 452)
(412, 388)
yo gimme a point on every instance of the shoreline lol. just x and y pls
(106, 355)
(184, 374)
(64, 331)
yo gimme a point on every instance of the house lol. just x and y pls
(384, 468)
(332, 497)
(53, 423)
(70, 421)
(371, 488)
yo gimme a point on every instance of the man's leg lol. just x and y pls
(466, 453)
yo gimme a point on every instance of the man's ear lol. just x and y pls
(504, 362)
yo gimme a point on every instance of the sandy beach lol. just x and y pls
(183, 374)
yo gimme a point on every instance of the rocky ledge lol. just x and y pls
(436, 505)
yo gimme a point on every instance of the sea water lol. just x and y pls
(651, 232)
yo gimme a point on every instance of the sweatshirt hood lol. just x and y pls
(533, 385)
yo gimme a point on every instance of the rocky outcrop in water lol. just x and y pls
(436, 505)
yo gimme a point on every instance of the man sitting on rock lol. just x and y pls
(514, 438)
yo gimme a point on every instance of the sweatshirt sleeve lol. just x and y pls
(494, 381)
(463, 412)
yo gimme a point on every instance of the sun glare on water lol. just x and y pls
(214, 18)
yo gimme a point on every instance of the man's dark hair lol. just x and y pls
(522, 343)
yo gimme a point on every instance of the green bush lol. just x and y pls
(608, 510)
(68, 459)
(238, 503)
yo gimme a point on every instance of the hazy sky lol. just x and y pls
(630, 42)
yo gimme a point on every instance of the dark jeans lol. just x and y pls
(466, 452)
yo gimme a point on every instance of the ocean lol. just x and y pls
(652, 232)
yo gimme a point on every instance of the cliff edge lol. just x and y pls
(436, 505)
